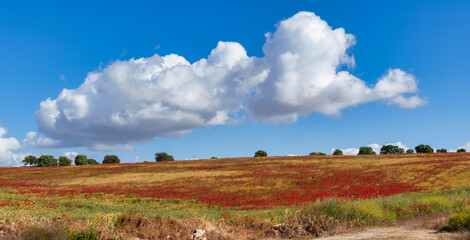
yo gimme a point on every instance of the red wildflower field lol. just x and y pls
(249, 183)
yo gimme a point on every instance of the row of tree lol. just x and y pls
(49, 161)
(392, 149)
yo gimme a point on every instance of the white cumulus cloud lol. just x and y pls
(8, 150)
(139, 99)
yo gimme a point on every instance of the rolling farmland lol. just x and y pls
(235, 190)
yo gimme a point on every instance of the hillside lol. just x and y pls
(258, 189)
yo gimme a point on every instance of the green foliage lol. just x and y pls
(366, 151)
(111, 159)
(442, 150)
(64, 161)
(31, 160)
(424, 149)
(391, 149)
(83, 235)
(42, 233)
(461, 150)
(213, 157)
(458, 221)
(410, 151)
(92, 161)
(317, 154)
(163, 157)
(80, 160)
(47, 161)
(261, 153)
(337, 152)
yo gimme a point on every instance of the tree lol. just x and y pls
(91, 161)
(442, 150)
(261, 153)
(366, 151)
(337, 152)
(80, 160)
(410, 151)
(47, 161)
(461, 150)
(163, 157)
(424, 149)
(64, 161)
(111, 159)
(322, 154)
(214, 157)
(391, 149)
(31, 160)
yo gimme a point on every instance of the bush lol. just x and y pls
(442, 150)
(366, 151)
(92, 161)
(261, 153)
(64, 161)
(391, 149)
(213, 157)
(458, 222)
(42, 233)
(80, 160)
(337, 152)
(410, 151)
(424, 149)
(461, 150)
(31, 160)
(111, 159)
(163, 157)
(47, 161)
(322, 154)
(313, 154)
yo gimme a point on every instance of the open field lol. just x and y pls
(234, 198)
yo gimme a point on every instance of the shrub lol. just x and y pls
(47, 161)
(458, 222)
(366, 151)
(163, 157)
(92, 161)
(261, 153)
(410, 151)
(111, 159)
(313, 154)
(42, 233)
(31, 160)
(424, 149)
(442, 150)
(213, 157)
(337, 152)
(64, 161)
(80, 160)
(461, 150)
(391, 149)
(322, 154)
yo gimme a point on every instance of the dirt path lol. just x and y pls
(386, 233)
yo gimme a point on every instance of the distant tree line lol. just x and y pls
(50, 161)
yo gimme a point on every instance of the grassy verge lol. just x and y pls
(108, 216)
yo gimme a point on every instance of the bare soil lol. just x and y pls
(399, 232)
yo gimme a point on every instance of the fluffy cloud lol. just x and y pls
(303, 56)
(166, 96)
(8, 148)
(376, 147)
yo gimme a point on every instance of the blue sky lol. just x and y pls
(48, 47)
